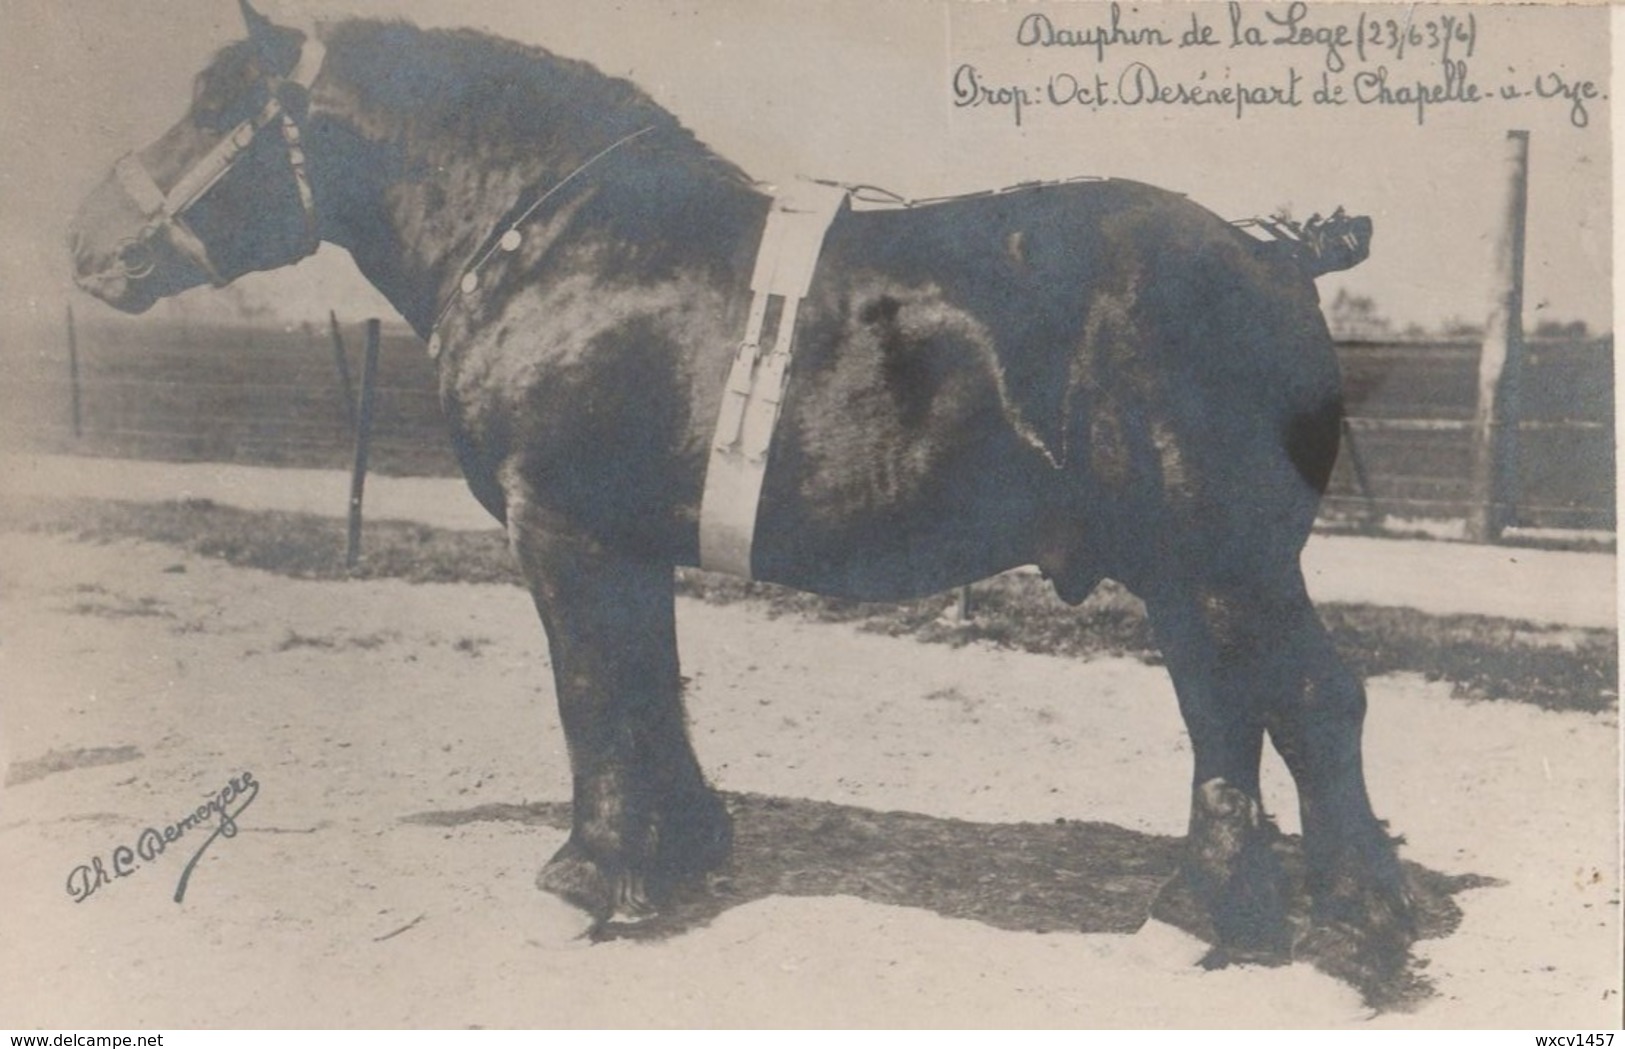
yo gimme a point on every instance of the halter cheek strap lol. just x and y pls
(164, 210)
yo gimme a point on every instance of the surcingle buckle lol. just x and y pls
(785, 260)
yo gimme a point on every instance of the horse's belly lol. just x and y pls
(902, 464)
(878, 527)
(883, 571)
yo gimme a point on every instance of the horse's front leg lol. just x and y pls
(644, 820)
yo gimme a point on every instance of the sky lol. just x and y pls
(917, 96)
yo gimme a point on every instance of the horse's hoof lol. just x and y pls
(698, 842)
(1363, 887)
(1245, 924)
(1372, 928)
(1362, 922)
(633, 903)
(561, 924)
(1224, 957)
(1232, 871)
(578, 882)
(583, 886)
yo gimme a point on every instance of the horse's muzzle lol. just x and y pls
(119, 285)
(116, 252)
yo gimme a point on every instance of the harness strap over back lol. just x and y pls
(791, 243)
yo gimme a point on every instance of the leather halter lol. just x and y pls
(164, 211)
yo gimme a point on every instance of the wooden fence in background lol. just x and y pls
(277, 397)
(1408, 444)
(196, 393)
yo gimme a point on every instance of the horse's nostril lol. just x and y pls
(79, 252)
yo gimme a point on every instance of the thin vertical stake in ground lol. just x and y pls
(73, 376)
(363, 433)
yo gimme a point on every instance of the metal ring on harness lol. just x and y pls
(136, 247)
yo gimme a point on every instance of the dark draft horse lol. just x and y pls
(1100, 378)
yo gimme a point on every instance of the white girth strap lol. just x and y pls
(791, 243)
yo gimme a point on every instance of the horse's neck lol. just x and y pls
(413, 206)
(410, 234)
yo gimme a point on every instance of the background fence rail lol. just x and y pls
(1411, 406)
(276, 396)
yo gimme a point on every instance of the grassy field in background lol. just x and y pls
(1482, 657)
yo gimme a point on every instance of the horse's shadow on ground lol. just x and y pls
(1065, 876)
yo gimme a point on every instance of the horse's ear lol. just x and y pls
(278, 48)
(261, 31)
(256, 22)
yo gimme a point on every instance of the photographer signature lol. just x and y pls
(221, 808)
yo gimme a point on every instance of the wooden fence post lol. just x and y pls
(346, 391)
(73, 377)
(1500, 364)
(363, 435)
(1373, 516)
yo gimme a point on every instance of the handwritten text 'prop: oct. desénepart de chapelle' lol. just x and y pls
(1271, 58)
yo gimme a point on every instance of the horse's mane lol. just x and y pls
(485, 94)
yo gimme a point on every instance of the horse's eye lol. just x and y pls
(207, 107)
(210, 118)
(223, 96)
(200, 92)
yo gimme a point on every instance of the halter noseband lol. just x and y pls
(163, 211)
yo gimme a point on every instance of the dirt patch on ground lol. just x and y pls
(901, 860)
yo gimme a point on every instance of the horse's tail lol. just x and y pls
(1312, 439)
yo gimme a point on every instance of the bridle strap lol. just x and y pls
(312, 53)
(294, 142)
(164, 210)
(213, 165)
(137, 183)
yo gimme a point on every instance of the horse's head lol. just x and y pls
(222, 193)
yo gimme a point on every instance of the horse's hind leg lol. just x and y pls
(1229, 864)
(644, 821)
(1315, 722)
(1248, 653)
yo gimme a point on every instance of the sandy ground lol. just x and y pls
(358, 706)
